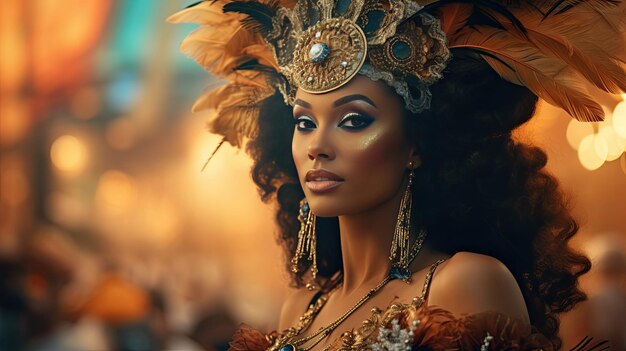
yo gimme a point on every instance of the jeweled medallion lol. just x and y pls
(328, 55)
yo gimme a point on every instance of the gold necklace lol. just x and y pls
(286, 344)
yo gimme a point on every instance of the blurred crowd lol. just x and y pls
(109, 238)
(603, 315)
(54, 298)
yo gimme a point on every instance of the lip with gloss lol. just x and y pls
(321, 180)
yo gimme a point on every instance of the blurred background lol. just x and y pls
(111, 236)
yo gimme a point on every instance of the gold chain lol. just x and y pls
(323, 332)
(328, 329)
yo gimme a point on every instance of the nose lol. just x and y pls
(321, 147)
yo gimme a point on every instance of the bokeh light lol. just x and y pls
(615, 143)
(577, 131)
(116, 191)
(588, 153)
(67, 209)
(599, 142)
(619, 118)
(69, 154)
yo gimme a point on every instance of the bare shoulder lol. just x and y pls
(471, 283)
(294, 306)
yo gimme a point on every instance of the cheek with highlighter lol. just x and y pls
(373, 162)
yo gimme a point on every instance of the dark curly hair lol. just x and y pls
(477, 189)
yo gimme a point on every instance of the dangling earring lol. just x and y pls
(306, 241)
(401, 253)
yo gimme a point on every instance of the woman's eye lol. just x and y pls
(355, 121)
(304, 123)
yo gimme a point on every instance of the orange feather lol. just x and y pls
(221, 43)
(547, 77)
(236, 105)
(454, 17)
(205, 13)
(596, 64)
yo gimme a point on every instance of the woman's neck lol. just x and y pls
(365, 244)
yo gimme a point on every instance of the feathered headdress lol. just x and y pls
(557, 49)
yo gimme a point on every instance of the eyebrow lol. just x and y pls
(349, 98)
(302, 103)
(341, 101)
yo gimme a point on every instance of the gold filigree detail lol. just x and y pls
(347, 51)
(303, 323)
(394, 12)
(343, 27)
(424, 54)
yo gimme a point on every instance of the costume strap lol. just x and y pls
(315, 298)
(429, 276)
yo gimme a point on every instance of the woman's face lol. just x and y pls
(350, 147)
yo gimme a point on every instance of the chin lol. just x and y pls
(334, 205)
(326, 204)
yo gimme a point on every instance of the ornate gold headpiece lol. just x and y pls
(320, 45)
(556, 48)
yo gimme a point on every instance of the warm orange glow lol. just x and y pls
(116, 191)
(13, 62)
(14, 119)
(577, 131)
(161, 222)
(616, 144)
(601, 147)
(61, 37)
(86, 103)
(69, 154)
(602, 141)
(14, 188)
(116, 300)
(591, 153)
(121, 134)
(619, 118)
(67, 210)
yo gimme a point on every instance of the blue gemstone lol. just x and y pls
(400, 50)
(319, 52)
(399, 273)
(287, 347)
(305, 208)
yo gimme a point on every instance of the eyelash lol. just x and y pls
(299, 121)
(353, 116)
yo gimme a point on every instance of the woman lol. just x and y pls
(409, 213)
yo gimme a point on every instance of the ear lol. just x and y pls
(414, 158)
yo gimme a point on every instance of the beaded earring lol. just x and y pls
(307, 244)
(400, 245)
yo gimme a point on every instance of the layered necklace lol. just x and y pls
(289, 341)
